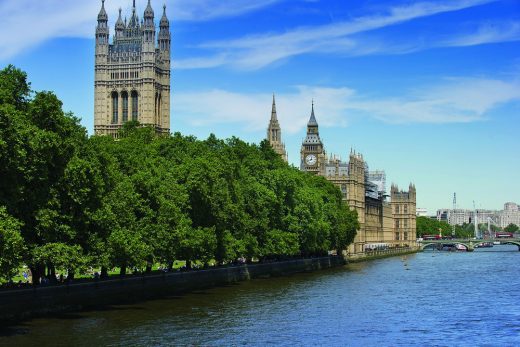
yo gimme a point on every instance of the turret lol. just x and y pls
(148, 29)
(164, 33)
(102, 31)
(120, 26)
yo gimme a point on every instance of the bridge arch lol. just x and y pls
(516, 243)
(447, 242)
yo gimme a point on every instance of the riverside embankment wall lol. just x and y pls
(21, 304)
(367, 256)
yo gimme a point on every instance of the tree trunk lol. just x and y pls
(188, 264)
(148, 269)
(70, 276)
(104, 272)
(52, 274)
(170, 266)
(35, 275)
(122, 272)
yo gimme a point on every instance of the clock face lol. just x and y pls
(310, 159)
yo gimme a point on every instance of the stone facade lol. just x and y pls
(274, 133)
(132, 75)
(381, 222)
(404, 213)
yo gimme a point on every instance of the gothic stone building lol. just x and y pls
(132, 75)
(380, 221)
(274, 133)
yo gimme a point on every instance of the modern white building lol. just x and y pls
(462, 216)
(510, 215)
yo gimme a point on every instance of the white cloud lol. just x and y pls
(253, 110)
(28, 23)
(454, 100)
(210, 9)
(488, 33)
(253, 52)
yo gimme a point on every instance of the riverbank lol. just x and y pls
(381, 254)
(17, 305)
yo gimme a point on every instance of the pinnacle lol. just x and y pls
(312, 120)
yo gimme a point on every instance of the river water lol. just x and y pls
(427, 299)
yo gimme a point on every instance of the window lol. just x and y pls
(396, 208)
(115, 108)
(397, 223)
(405, 223)
(405, 208)
(124, 96)
(397, 236)
(405, 235)
(135, 105)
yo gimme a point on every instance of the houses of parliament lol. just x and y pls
(132, 83)
(381, 222)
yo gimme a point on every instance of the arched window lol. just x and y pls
(124, 96)
(115, 108)
(159, 115)
(135, 105)
(156, 108)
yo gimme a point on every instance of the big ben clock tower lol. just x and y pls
(312, 152)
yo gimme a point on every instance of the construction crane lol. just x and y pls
(475, 220)
(454, 213)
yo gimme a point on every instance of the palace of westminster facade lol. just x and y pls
(132, 82)
(381, 222)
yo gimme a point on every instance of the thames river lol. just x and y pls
(427, 299)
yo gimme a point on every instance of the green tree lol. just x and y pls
(280, 243)
(11, 245)
(511, 228)
(196, 244)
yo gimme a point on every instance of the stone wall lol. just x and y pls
(21, 304)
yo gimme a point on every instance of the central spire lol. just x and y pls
(274, 116)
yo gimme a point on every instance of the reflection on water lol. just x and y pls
(432, 298)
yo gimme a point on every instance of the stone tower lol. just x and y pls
(132, 75)
(404, 213)
(312, 152)
(274, 133)
(356, 185)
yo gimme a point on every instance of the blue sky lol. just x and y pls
(427, 90)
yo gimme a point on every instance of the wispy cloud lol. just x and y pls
(488, 33)
(211, 9)
(454, 100)
(250, 110)
(257, 51)
(30, 23)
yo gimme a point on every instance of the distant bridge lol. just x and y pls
(468, 243)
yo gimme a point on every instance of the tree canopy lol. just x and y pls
(68, 201)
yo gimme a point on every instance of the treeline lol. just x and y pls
(69, 201)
